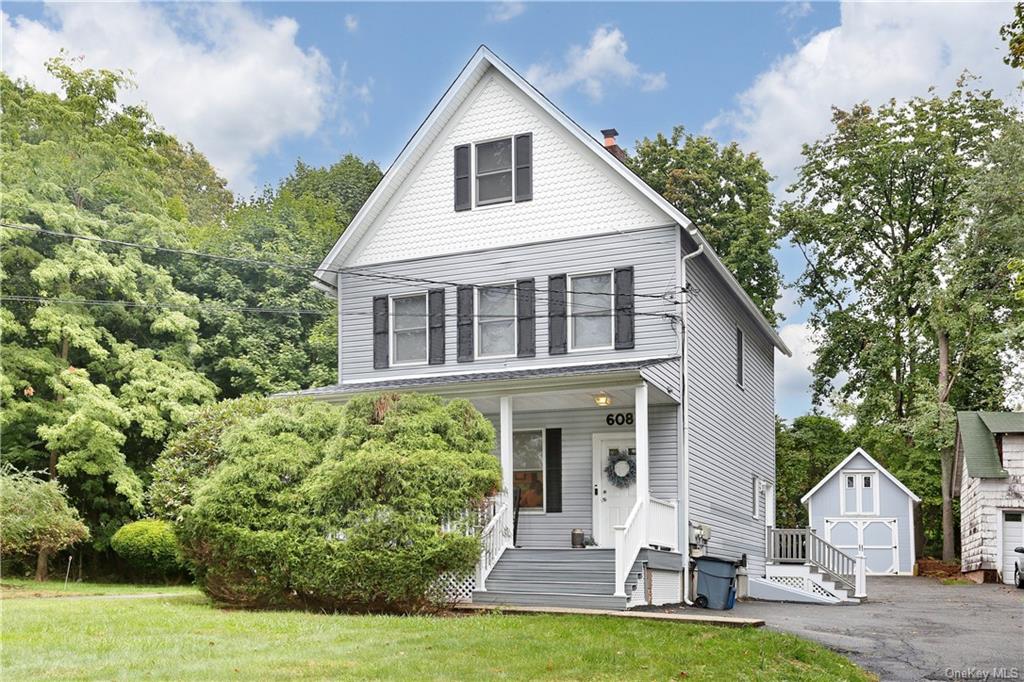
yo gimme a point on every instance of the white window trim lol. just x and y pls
(760, 487)
(859, 476)
(611, 311)
(476, 321)
(544, 470)
(391, 329)
(473, 176)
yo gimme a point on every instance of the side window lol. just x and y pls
(739, 357)
(409, 329)
(528, 469)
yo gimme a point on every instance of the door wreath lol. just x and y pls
(621, 468)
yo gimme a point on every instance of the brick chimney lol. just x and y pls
(611, 145)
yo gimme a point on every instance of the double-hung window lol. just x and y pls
(409, 329)
(496, 320)
(591, 311)
(494, 172)
(528, 461)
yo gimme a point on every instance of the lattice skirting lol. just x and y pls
(456, 588)
(798, 583)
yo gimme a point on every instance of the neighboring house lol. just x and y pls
(509, 258)
(860, 506)
(990, 461)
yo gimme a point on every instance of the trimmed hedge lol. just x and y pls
(150, 548)
(340, 508)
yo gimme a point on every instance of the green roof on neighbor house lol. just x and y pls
(976, 434)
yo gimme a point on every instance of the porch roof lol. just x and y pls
(468, 381)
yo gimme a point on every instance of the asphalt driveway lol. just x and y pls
(914, 629)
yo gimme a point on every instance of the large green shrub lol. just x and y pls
(150, 548)
(35, 516)
(340, 508)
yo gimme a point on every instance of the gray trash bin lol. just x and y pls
(716, 582)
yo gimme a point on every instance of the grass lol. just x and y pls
(185, 637)
(14, 588)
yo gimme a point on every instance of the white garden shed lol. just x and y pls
(860, 506)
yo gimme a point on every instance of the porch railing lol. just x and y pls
(802, 546)
(492, 523)
(629, 539)
(662, 523)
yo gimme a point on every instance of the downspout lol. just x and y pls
(685, 407)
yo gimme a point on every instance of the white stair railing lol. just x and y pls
(802, 546)
(494, 528)
(629, 539)
(662, 528)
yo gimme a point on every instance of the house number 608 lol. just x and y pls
(619, 418)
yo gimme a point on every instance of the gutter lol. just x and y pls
(685, 407)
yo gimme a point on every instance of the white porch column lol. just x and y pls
(505, 441)
(643, 462)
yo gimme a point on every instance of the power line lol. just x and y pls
(357, 272)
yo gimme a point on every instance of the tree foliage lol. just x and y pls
(314, 505)
(35, 516)
(1013, 34)
(724, 191)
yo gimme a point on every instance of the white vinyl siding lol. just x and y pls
(591, 322)
(409, 329)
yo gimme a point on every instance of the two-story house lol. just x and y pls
(509, 258)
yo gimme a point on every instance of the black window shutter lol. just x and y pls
(553, 469)
(380, 332)
(624, 316)
(557, 338)
(526, 311)
(464, 314)
(524, 167)
(462, 179)
(435, 343)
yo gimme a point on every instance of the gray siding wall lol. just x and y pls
(651, 252)
(892, 503)
(578, 428)
(732, 429)
(664, 376)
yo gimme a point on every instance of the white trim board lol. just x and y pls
(440, 115)
(872, 461)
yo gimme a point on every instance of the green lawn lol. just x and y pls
(184, 637)
(13, 588)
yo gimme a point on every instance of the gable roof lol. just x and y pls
(976, 440)
(442, 112)
(873, 462)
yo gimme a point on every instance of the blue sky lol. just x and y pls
(257, 86)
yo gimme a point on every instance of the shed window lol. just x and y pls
(528, 469)
(409, 329)
(590, 309)
(494, 172)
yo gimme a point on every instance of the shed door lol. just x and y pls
(877, 538)
(1013, 537)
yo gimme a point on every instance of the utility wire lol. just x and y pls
(358, 272)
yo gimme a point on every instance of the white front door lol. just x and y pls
(877, 538)
(614, 484)
(1013, 537)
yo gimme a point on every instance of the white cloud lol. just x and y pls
(794, 9)
(221, 76)
(505, 10)
(351, 23)
(879, 50)
(593, 67)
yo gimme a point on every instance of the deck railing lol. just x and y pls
(662, 524)
(802, 546)
(629, 539)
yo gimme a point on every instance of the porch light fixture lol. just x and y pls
(602, 399)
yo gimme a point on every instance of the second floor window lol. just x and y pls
(496, 320)
(409, 329)
(590, 310)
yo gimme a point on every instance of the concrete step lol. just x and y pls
(579, 601)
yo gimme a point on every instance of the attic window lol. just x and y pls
(494, 172)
